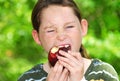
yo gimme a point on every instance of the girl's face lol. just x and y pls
(59, 26)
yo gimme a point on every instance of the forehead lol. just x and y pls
(58, 8)
(55, 13)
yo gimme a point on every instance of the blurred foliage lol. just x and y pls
(18, 51)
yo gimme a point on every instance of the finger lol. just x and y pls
(67, 75)
(70, 61)
(64, 75)
(75, 54)
(51, 74)
(66, 65)
(53, 71)
(68, 58)
(69, 64)
(78, 56)
(59, 71)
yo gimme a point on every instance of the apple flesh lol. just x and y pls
(52, 56)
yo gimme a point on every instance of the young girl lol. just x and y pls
(57, 23)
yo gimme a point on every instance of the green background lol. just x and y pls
(19, 52)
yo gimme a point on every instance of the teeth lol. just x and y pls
(66, 46)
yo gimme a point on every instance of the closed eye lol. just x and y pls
(69, 26)
(48, 31)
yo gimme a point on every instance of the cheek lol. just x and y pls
(77, 40)
(47, 42)
(77, 34)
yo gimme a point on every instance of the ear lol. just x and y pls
(35, 35)
(84, 25)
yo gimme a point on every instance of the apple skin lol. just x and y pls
(52, 56)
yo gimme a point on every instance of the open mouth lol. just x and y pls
(64, 47)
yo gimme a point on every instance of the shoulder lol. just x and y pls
(100, 65)
(101, 70)
(36, 73)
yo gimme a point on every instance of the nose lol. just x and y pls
(61, 36)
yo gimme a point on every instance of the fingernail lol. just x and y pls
(60, 52)
(69, 51)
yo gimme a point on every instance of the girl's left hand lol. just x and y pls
(73, 61)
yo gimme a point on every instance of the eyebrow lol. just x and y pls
(69, 22)
(48, 27)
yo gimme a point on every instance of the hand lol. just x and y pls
(74, 63)
(57, 73)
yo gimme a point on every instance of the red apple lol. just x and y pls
(52, 56)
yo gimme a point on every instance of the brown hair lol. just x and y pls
(42, 4)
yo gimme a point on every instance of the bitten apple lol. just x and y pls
(52, 56)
